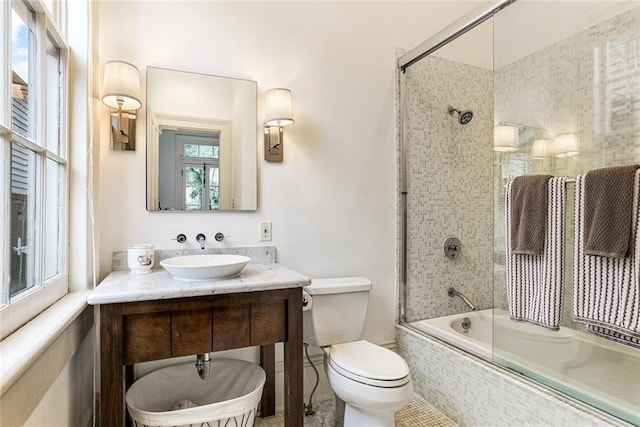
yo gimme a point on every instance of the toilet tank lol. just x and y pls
(338, 312)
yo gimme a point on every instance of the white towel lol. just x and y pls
(606, 291)
(535, 282)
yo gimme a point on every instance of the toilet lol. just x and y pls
(370, 382)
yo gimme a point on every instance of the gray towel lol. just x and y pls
(606, 295)
(535, 283)
(608, 198)
(529, 214)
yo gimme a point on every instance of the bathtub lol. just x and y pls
(594, 370)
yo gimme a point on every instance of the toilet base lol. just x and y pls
(352, 416)
(355, 416)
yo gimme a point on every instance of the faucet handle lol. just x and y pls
(452, 247)
(180, 238)
(219, 237)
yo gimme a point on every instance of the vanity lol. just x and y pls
(154, 316)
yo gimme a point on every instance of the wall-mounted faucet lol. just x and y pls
(453, 293)
(201, 238)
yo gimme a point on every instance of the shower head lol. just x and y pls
(464, 116)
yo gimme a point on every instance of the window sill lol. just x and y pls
(23, 347)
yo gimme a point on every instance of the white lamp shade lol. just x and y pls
(505, 138)
(565, 145)
(121, 82)
(540, 149)
(278, 107)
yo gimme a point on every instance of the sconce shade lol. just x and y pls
(565, 145)
(121, 82)
(540, 149)
(278, 107)
(505, 138)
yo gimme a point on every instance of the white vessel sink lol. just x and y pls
(205, 267)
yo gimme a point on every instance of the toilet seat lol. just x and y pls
(369, 364)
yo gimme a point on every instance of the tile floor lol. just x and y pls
(417, 413)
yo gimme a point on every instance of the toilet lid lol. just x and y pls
(368, 363)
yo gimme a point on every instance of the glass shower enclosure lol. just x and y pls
(547, 88)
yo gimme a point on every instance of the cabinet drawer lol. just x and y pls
(231, 327)
(190, 332)
(267, 323)
(146, 337)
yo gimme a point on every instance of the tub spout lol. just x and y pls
(453, 293)
(203, 365)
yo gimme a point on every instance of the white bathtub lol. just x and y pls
(601, 373)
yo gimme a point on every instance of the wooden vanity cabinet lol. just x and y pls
(137, 332)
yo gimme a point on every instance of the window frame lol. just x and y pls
(16, 311)
(207, 163)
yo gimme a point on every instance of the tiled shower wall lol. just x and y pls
(449, 185)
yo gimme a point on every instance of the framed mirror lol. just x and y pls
(201, 142)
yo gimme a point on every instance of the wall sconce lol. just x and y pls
(505, 138)
(540, 149)
(565, 145)
(121, 92)
(278, 113)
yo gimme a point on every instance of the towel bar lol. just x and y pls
(566, 181)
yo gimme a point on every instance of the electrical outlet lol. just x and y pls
(265, 231)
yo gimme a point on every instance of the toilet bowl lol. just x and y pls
(370, 382)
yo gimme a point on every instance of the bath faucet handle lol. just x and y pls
(452, 247)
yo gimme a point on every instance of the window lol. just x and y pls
(34, 141)
(200, 165)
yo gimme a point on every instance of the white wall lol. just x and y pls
(332, 199)
(57, 388)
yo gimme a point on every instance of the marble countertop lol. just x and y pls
(120, 286)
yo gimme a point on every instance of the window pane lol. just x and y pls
(53, 96)
(201, 151)
(52, 223)
(193, 179)
(214, 188)
(190, 150)
(22, 63)
(22, 236)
